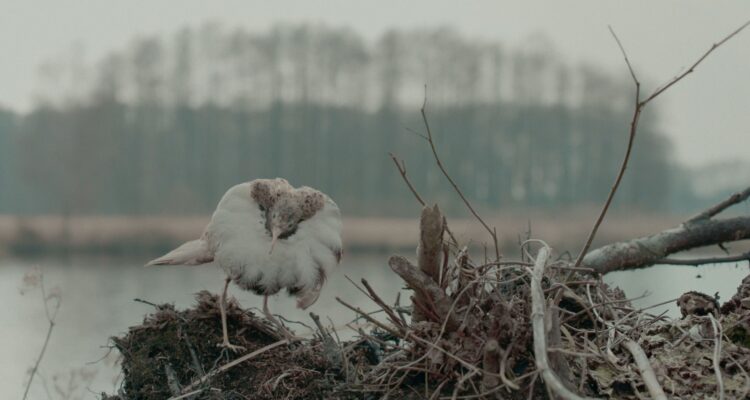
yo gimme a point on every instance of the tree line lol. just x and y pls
(167, 124)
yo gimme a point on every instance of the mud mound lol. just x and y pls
(172, 350)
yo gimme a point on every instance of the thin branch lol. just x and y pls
(640, 105)
(625, 55)
(395, 320)
(401, 165)
(692, 67)
(631, 138)
(735, 198)
(647, 372)
(430, 140)
(370, 319)
(710, 260)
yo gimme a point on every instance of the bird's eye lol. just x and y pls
(261, 207)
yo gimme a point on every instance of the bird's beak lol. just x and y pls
(275, 232)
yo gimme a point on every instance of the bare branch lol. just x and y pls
(631, 138)
(395, 320)
(625, 55)
(735, 198)
(695, 64)
(652, 249)
(430, 140)
(401, 165)
(710, 260)
(640, 105)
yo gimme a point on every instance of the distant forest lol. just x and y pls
(169, 123)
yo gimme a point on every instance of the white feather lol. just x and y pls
(237, 239)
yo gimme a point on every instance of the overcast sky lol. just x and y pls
(707, 115)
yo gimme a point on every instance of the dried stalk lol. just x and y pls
(644, 367)
(551, 380)
(51, 317)
(717, 355)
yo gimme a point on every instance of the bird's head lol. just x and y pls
(283, 218)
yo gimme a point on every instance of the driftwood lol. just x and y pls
(429, 251)
(428, 297)
(699, 231)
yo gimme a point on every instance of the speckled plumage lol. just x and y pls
(238, 239)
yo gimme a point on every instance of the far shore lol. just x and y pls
(39, 235)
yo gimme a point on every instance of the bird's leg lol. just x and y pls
(223, 305)
(285, 332)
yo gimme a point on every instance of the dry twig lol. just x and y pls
(644, 367)
(492, 232)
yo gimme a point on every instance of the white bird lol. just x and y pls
(268, 236)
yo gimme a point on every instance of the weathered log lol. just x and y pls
(649, 250)
(429, 251)
(427, 293)
(430, 242)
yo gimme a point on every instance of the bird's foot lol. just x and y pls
(231, 347)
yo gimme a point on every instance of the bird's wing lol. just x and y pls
(322, 233)
(194, 252)
(325, 225)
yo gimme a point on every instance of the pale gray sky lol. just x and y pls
(707, 115)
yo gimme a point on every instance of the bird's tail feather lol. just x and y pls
(194, 252)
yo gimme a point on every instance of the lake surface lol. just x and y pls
(98, 303)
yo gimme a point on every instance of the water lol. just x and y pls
(98, 303)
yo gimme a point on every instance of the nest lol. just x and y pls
(174, 353)
(525, 329)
